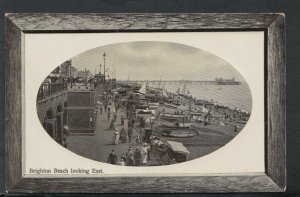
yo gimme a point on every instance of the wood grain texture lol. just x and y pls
(276, 136)
(207, 184)
(13, 113)
(119, 22)
(275, 177)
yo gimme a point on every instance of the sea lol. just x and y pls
(235, 96)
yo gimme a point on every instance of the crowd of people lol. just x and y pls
(136, 157)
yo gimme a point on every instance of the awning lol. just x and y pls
(178, 147)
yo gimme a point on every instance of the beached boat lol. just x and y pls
(142, 106)
(142, 90)
(171, 119)
(154, 103)
(178, 133)
(173, 115)
(169, 105)
(153, 107)
(145, 111)
(175, 124)
(184, 91)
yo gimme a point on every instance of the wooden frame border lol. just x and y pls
(274, 179)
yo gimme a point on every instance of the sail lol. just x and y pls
(164, 92)
(142, 90)
(183, 90)
(204, 110)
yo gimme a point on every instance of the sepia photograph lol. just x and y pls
(95, 104)
(144, 103)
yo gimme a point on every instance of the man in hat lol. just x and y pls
(65, 136)
(129, 133)
(129, 157)
(122, 120)
(137, 156)
(112, 158)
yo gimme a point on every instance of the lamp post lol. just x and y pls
(104, 64)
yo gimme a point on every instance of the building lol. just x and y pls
(85, 74)
(99, 78)
(61, 106)
(67, 70)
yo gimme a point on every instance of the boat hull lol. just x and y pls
(174, 125)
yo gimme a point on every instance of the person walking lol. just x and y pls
(116, 137)
(112, 125)
(123, 135)
(129, 157)
(152, 119)
(129, 133)
(108, 116)
(101, 109)
(137, 156)
(132, 123)
(144, 154)
(235, 128)
(142, 122)
(112, 157)
(138, 138)
(123, 160)
(115, 117)
(150, 147)
(122, 120)
(129, 123)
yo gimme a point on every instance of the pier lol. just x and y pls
(170, 82)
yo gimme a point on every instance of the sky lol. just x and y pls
(148, 60)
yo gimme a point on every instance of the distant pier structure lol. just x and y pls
(178, 82)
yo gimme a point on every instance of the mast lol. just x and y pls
(115, 75)
(128, 78)
(159, 83)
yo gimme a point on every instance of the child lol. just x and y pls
(138, 139)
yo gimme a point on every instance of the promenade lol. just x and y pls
(98, 146)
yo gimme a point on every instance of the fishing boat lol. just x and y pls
(145, 111)
(184, 91)
(204, 102)
(154, 103)
(143, 89)
(170, 105)
(179, 133)
(167, 115)
(174, 124)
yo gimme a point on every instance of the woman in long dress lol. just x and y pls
(123, 135)
(144, 154)
(116, 137)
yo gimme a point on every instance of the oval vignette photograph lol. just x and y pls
(144, 103)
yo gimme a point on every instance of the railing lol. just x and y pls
(48, 89)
